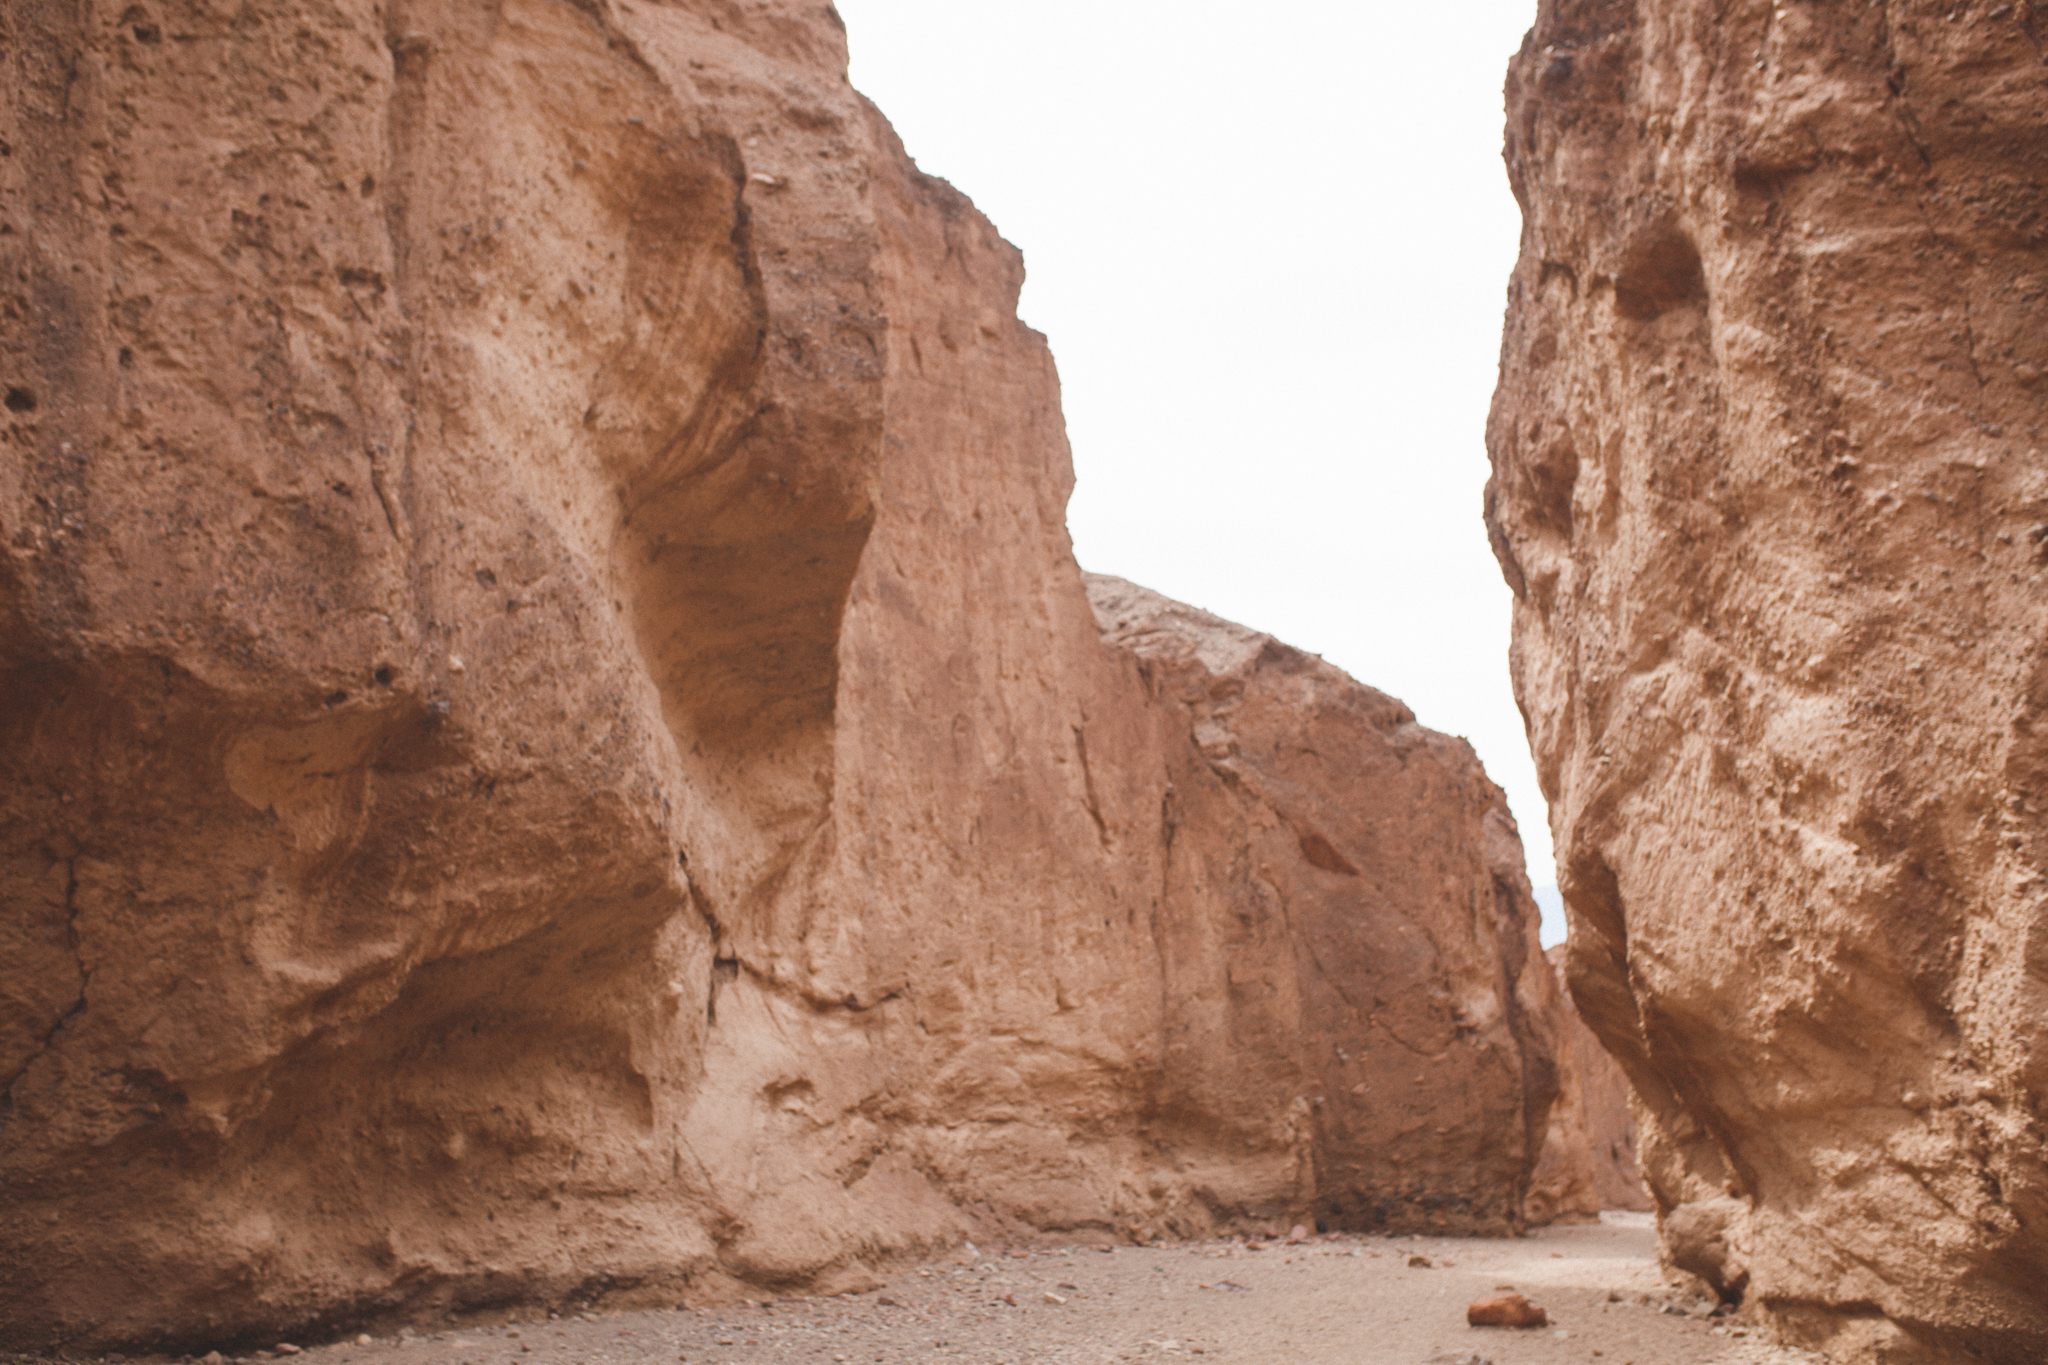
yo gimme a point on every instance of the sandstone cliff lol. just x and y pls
(1589, 1156)
(1769, 487)
(1344, 898)
(555, 746)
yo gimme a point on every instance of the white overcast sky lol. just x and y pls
(1270, 246)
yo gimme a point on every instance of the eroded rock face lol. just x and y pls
(1344, 897)
(1588, 1161)
(555, 745)
(1768, 484)
(1603, 1106)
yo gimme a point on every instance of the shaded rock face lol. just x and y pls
(1588, 1160)
(555, 745)
(1769, 486)
(1608, 1122)
(1344, 898)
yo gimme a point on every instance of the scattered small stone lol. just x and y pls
(1010, 1299)
(1506, 1310)
(885, 1301)
(1051, 1297)
(212, 1358)
(1460, 1358)
(1418, 1262)
(1297, 1235)
(365, 1339)
(285, 1348)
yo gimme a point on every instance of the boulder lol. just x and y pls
(1768, 486)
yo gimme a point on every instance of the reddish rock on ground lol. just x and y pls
(1506, 1310)
(555, 744)
(1770, 489)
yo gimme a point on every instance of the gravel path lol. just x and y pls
(1355, 1300)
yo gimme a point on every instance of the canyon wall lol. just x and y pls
(1589, 1159)
(1324, 856)
(555, 748)
(1770, 490)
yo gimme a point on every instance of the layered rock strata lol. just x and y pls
(555, 747)
(1770, 489)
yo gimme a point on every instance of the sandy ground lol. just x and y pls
(1355, 1300)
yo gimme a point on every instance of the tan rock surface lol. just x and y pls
(555, 744)
(1589, 1155)
(1768, 486)
(1345, 898)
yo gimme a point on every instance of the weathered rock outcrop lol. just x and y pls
(554, 744)
(1769, 487)
(1596, 1098)
(1344, 898)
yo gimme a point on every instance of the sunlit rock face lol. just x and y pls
(555, 746)
(1769, 487)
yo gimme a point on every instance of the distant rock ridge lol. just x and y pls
(555, 747)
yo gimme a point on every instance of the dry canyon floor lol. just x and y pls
(1333, 1299)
